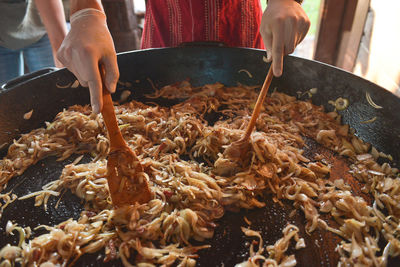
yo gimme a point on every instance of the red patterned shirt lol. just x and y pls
(171, 22)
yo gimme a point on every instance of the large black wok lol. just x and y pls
(202, 65)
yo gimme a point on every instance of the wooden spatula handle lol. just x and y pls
(259, 103)
(115, 136)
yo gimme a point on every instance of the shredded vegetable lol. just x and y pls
(340, 103)
(247, 72)
(28, 115)
(372, 103)
(194, 184)
(124, 96)
(369, 121)
(75, 84)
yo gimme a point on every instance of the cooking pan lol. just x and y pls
(140, 70)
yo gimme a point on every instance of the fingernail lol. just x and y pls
(277, 72)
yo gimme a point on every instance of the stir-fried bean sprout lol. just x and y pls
(194, 184)
(247, 72)
(372, 103)
(6, 199)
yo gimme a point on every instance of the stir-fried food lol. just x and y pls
(276, 252)
(239, 149)
(126, 181)
(194, 184)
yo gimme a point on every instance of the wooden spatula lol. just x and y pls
(125, 177)
(238, 149)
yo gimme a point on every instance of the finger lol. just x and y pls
(82, 81)
(290, 35)
(304, 27)
(61, 55)
(300, 38)
(95, 87)
(86, 67)
(111, 72)
(303, 35)
(267, 39)
(290, 45)
(64, 55)
(96, 96)
(277, 50)
(76, 73)
(58, 63)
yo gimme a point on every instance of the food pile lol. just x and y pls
(193, 184)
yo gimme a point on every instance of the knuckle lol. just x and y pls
(60, 57)
(295, 20)
(305, 21)
(308, 23)
(279, 19)
(88, 49)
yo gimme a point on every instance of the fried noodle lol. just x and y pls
(193, 184)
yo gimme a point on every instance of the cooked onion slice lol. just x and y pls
(372, 103)
(247, 72)
(28, 115)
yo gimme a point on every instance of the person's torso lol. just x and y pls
(171, 22)
(20, 24)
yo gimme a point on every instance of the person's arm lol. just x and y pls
(87, 47)
(283, 26)
(76, 5)
(52, 14)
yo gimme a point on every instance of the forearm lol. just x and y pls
(53, 18)
(76, 5)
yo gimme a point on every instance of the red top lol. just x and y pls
(171, 22)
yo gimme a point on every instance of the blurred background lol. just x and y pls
(360, 36)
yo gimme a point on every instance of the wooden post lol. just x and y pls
(122, 22)
(337, 17)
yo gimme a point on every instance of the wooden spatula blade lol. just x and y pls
(126, 180)
(238, 150)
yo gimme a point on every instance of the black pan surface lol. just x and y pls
(140, 70)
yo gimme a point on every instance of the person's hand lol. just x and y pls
(87, 46)
(284, 25)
